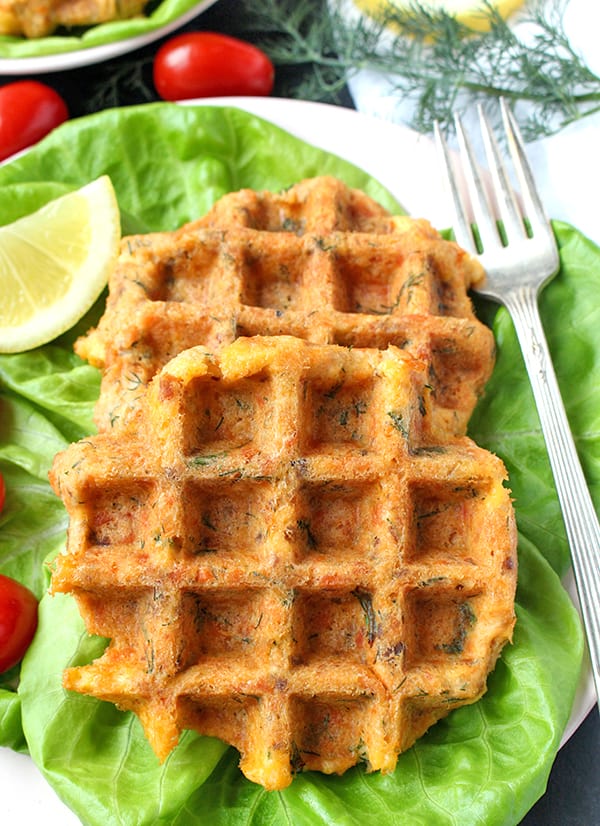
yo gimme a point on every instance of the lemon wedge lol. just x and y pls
(55, 263)
(470, 12)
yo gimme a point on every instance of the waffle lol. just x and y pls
(319, 261)
(40, 18)
(284, 557)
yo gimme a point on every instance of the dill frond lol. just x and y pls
(431, 60)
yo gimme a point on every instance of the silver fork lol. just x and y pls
(517, 266)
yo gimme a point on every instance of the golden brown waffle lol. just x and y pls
(321, 262)
(283, 557)
(39, 18)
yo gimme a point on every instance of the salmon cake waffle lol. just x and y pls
(282, 555)
(40, 18)
(321, 262)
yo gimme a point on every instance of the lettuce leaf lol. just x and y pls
(506, 420)
(168, 175)
(486, 763)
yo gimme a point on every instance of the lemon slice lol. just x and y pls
(470, 12)
(55, 263)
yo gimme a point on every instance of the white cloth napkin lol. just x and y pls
(566, 165)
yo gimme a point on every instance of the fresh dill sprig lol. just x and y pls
(119, 83)
(431, 60)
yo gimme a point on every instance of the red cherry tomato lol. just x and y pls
(207, 64)
(18, 621)
(2, 492)
(28, 111)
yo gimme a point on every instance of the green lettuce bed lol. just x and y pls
(485, 764)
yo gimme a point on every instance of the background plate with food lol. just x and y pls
(68, 48)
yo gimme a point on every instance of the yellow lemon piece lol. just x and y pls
(469, 12)
(55, 263)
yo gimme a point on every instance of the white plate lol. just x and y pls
(405, 162)
(95, 54)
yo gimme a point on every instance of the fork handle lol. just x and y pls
(579, 515)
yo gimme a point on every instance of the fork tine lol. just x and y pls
(482, 210)
(461, 224)
(534, 209)
(508, 207)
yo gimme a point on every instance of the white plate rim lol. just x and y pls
(86, 56)
(351, 135)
